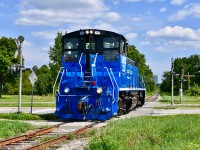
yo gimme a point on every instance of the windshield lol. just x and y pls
(71, 43)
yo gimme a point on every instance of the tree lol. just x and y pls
(55, 52)
(144, 69)
(55, 55)
(43, 86)
(7, 51)
(191, 65)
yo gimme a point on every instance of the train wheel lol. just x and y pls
(121, 107)
(141, 98)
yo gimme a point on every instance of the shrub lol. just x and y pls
(193, 91)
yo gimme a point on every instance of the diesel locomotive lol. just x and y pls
(97, 80)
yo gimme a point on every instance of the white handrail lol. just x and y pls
(111, 82)
(80, 64)
(93, 64)
(56, 81)
(115, 81)
(114, 78)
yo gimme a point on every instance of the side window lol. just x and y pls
(122, 47)
(71, 56)
(71, 43)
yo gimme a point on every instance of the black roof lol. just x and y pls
(102, 32)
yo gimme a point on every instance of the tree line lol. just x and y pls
(190, 66)
(47, 73)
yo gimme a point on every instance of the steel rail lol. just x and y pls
(58, 139)
(28, 135)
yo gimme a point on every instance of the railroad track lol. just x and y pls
(152, 98)
(32, 141)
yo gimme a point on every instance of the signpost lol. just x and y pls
(33, 78)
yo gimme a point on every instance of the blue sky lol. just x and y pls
(160, 29)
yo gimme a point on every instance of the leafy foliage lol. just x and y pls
(43, 84)
(7, 51)
(144, 69)
(55, 54)
(191, 66)
(194, 91)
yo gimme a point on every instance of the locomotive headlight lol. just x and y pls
(99, 90)
(87, 32)
(97, 32)
(66, 90)
(91, 31)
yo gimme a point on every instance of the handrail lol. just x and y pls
(60, 82)
(95, 58)
(93, 64)
(80, 64)
(111, 82)
(114, 78)
(115, 81)
(56, 81)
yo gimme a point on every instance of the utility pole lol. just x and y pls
(172, 74)
(188, 78)
(181, 89)
(20, 39)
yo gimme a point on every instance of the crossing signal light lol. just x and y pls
(15, 69)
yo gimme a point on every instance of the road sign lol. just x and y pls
(33, 78)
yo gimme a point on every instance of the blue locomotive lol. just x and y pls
(97, 80)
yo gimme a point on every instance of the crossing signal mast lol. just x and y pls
(188, 78)
(19, 42)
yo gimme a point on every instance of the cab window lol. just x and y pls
(71, 56)
(110, 42)
(110, 49)
(71, 43)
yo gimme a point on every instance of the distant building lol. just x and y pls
(155, 79)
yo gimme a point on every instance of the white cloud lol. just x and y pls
(192, 10)
(176, 32)
(163, 9)
(178, 2)
(150, 1)
(133, 0)
(47, 34)
(55, 13)
(174, 39)
(112, 16)
(27, 44)
(115, 2)
(131, 36)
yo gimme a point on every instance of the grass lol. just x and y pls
(26, 98)
(185, 100)
(176, 106)
(38, 101)
(150, 133)
(13, 128)
(25, 116)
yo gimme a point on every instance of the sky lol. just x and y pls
(160, 29)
